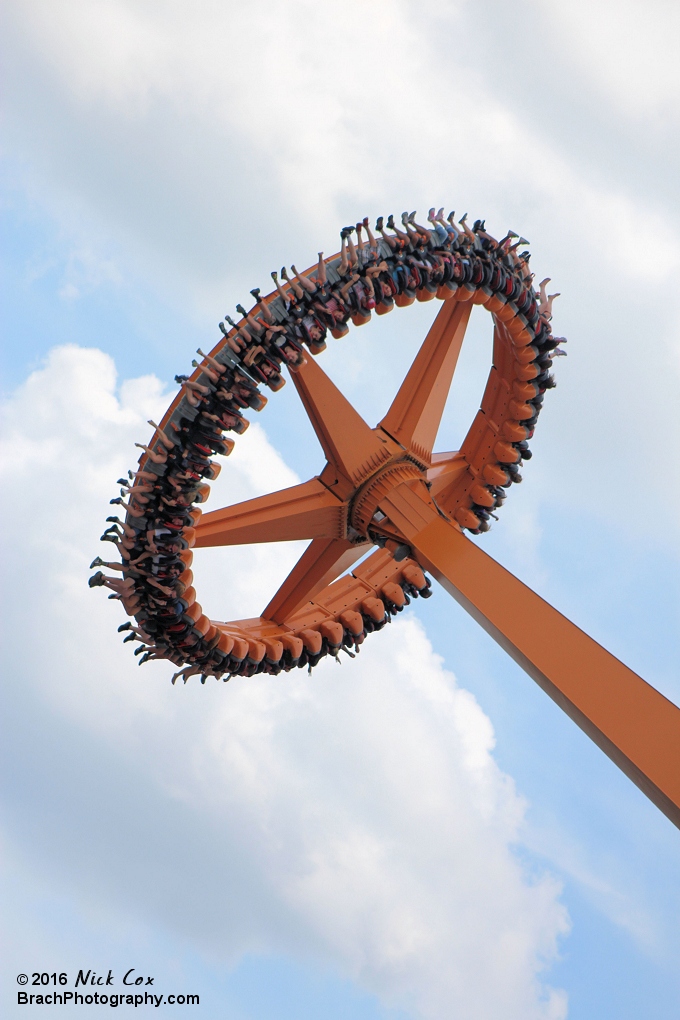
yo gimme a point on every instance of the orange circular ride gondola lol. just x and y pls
(381, 486)
(347, 507)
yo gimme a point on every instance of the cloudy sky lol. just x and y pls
(421, 834)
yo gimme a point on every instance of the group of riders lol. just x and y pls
(395, 264)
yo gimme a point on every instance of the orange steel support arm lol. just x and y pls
(323, 561)
(446, 469)
(638, 728)
(416, 411)
(349, 444)
(309, 510)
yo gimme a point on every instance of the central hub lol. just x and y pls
(367, 498)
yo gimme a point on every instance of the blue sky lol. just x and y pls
(423, 834)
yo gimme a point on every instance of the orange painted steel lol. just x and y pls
(413, 419)
(303, 511)
(627, 718)
(386, 484)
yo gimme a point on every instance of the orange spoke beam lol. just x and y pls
(416, 411)
(322, 561)
(351, 447)
(446, 469)
(635, 725)
(309, 510)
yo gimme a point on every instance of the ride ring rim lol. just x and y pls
(512, 333)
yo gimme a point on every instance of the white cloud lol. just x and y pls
(629, 52)
(357, 816)
(212, 123)
(206, 145)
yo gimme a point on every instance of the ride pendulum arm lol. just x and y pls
(386, 485)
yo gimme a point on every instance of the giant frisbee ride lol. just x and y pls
(383, 488)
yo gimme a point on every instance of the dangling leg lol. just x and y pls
(344, 262)
(215, 365)
(372, 243)
(504, 243)
(413, 235)
(132, 509)
(241, 339)
(321, 270)
(170, 592)
(281, 292)
(167, 443)
(466, 230)
(251, 323)
(481, 231)
(391, 225)
(137, 493)
(304, 282)
(263, 307)
(123, 586)
(127, 530)
(421, 230)
(99, 562)
(156, 458)
(297, 290)
(353, 258)
(146, 476)
(439, 225)
(512, 250)
(381, 230)
(551, 298)
(192, 399)
(207, 370)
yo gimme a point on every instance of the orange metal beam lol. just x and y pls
(416, 411)
(322, 561)
(410, 509)
(309, 510)
(350, 445)
(446, 469)
(628, 719)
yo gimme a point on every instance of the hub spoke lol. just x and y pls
(322, 561)
(350, 445)
(416, 411)
(308, 510)
(446, 470)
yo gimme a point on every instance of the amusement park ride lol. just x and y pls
(385, 488)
